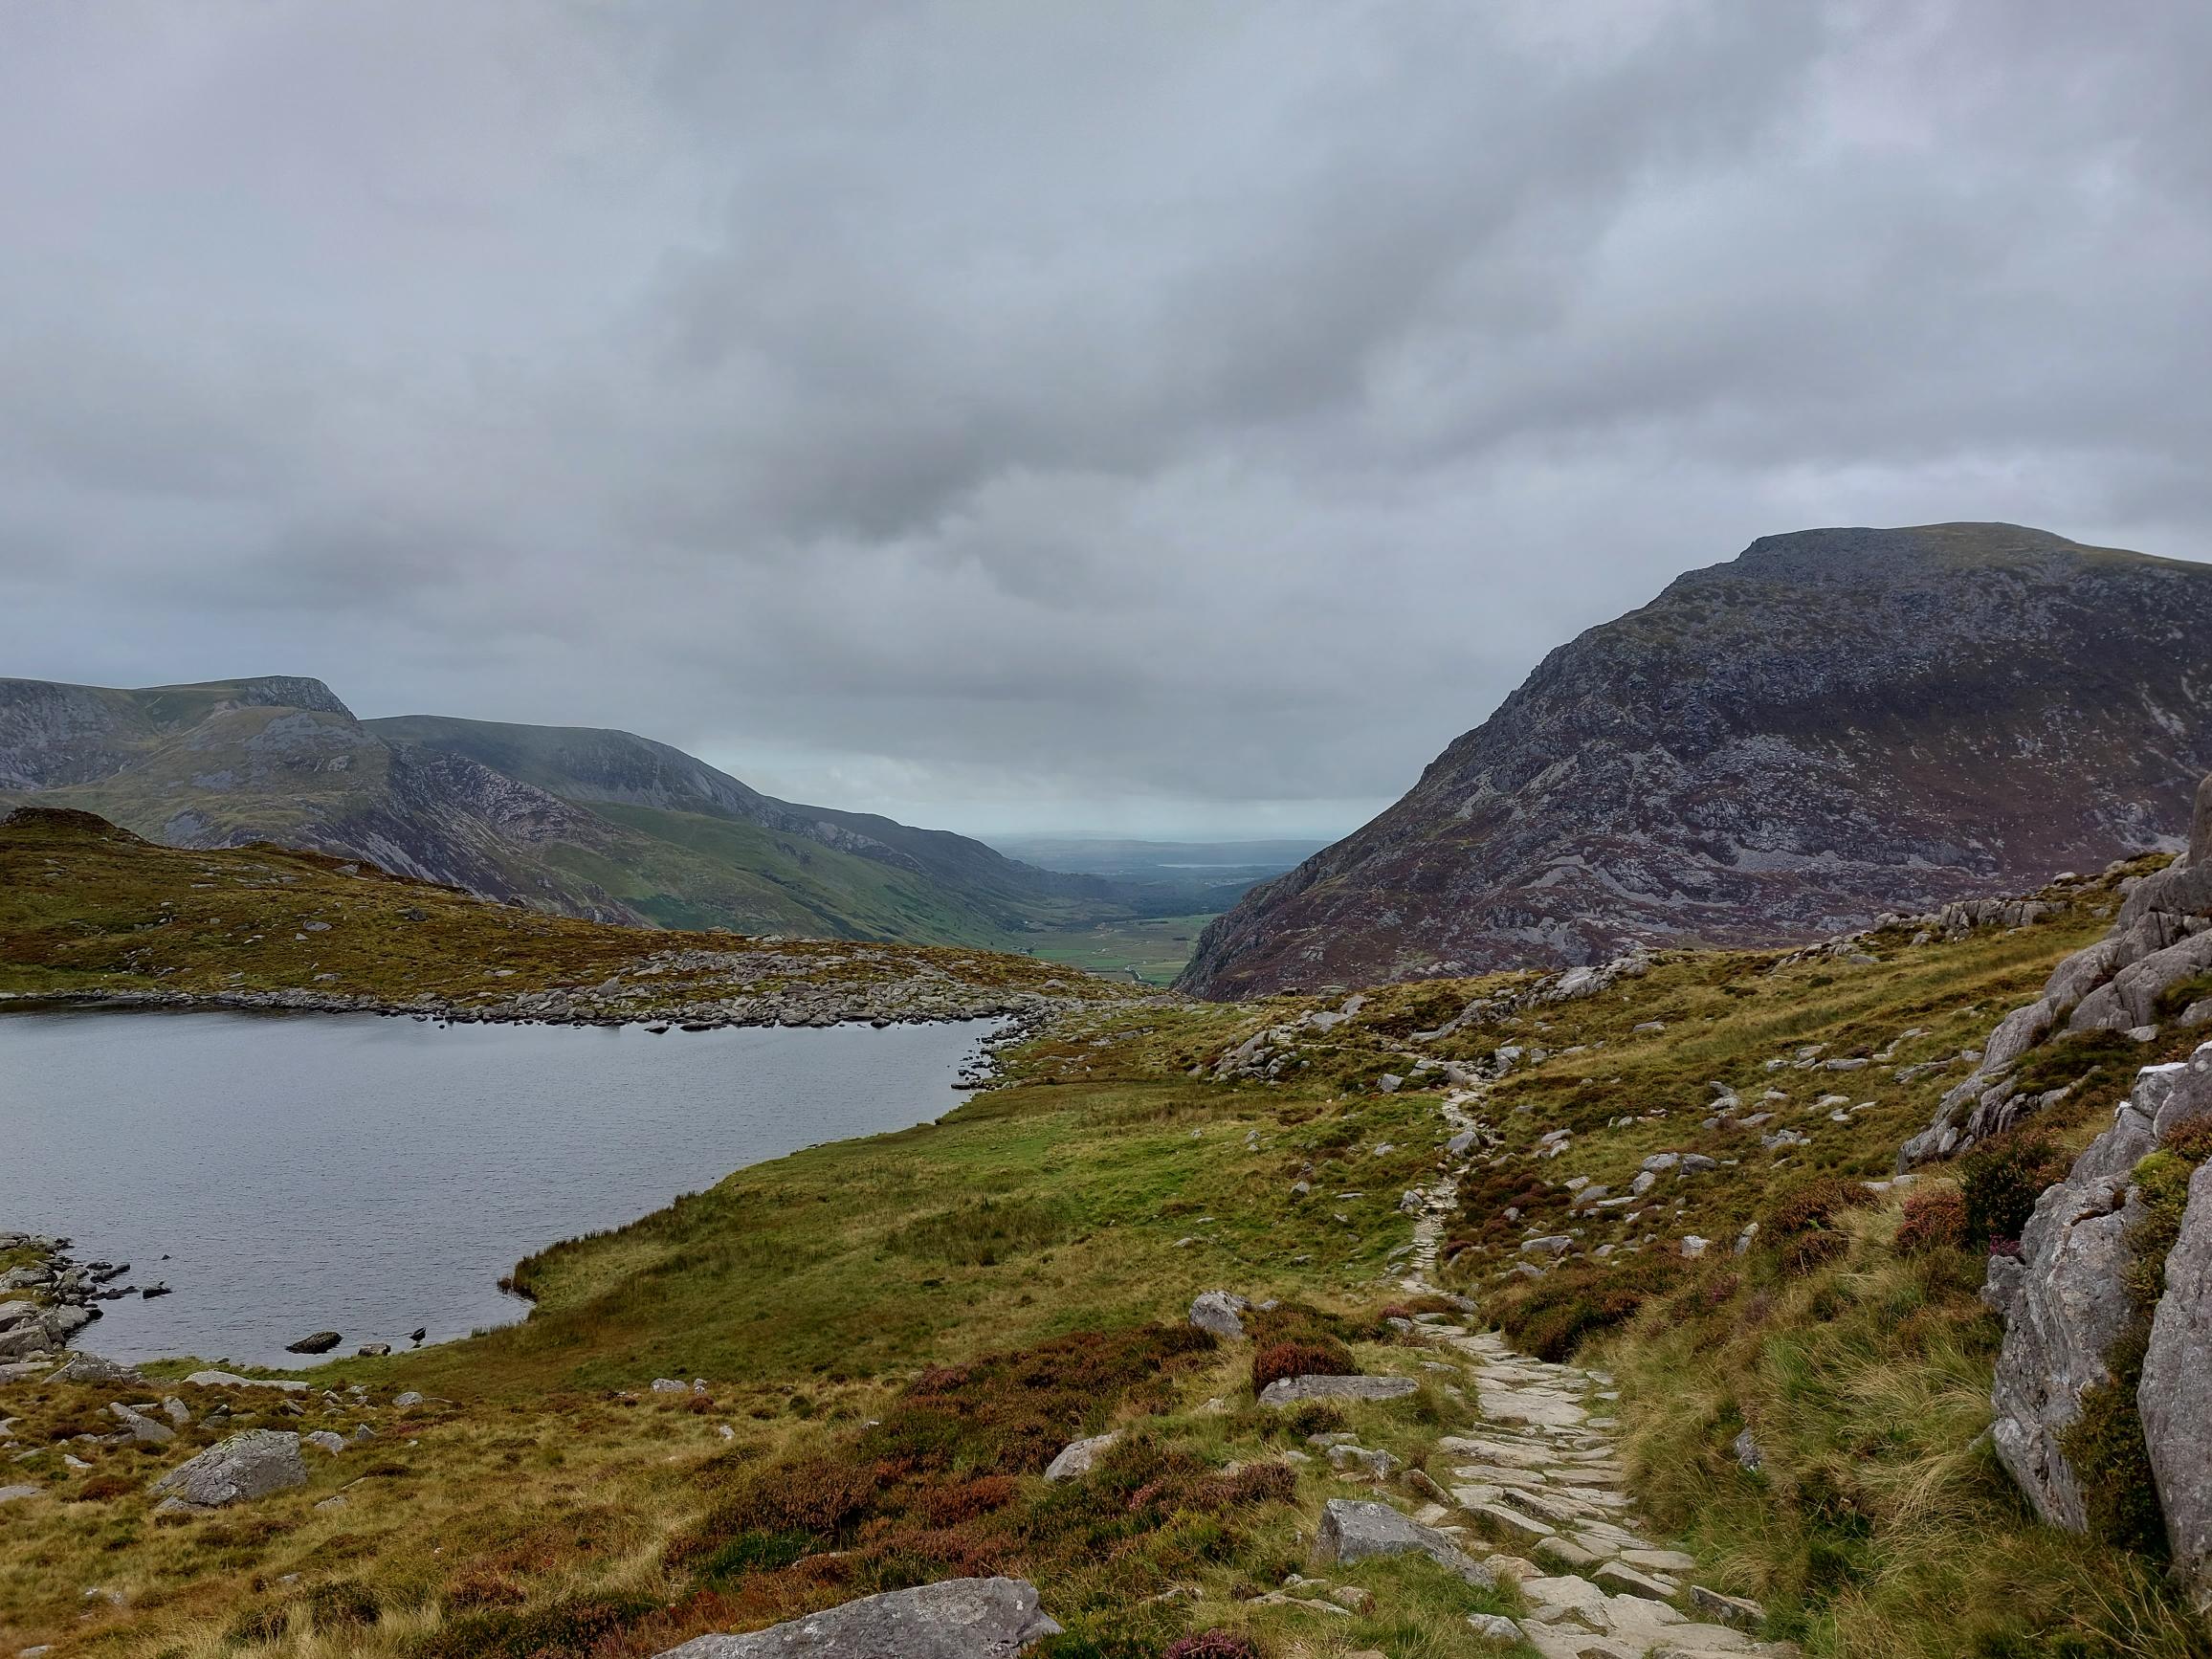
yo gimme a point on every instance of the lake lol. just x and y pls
(287, 1174)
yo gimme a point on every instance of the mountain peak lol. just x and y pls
(1836, 724)
(281, 691)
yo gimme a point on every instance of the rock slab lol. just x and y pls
(956, 1619)
(1352, 1531)
(1290, 1390)
(249, 1465)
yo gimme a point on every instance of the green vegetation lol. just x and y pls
(1153, 950)
(87, 907)
(896, 1333)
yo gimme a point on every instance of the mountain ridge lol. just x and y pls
(588, 822)
(1836, 724)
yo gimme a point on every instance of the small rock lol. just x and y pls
(1077, 1458)
(143, 1429)
(1494, 1626)
(1221, 1313)
(327, 1441)
(1748, 1453)
(1737, 1611)
(1660, 1560)
(322, 1342)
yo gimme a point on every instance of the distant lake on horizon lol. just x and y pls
(369, 1176)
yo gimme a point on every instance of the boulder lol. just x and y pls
(1077, 1458)
(2065, 1303)
(1352, 1531)
(1290, 1390)
(2067, 1308)
(956, 1619)
(142, 1429)
(2175, 1398)
(249, 1465)
(1219, 1313)
(322, 1342)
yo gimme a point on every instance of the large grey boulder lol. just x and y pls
(956, 1618)
(2175, 1398)
(1352, 1531)
(2065, 1302)
(1219, 1313)
(2068, 1306)
(1290, 1390)
(249, 1465)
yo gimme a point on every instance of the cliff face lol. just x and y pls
(1835, 725)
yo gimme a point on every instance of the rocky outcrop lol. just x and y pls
(2162, 938)
(1836, 724)
(2175, 1395)
(2067, 1306)
(247, 1465)
(956, 1619)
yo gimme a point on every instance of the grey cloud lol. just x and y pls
(1019, 414)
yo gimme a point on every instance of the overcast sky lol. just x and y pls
(1157, 418)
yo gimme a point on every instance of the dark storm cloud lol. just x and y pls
(1174, 415)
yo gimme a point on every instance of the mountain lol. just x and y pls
(598, 824)
(1835, 725)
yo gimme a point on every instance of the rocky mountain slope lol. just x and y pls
(597, 823)
(1836, 724)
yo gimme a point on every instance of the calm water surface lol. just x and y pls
(370, 1176)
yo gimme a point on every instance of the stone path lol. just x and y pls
(1543, 1477)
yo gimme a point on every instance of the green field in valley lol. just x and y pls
(1153, 949)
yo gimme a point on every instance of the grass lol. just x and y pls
(1153, 950)
(895, 1333)
(87, 907)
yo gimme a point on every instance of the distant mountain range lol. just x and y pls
(1836, 724)
(585, 822)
